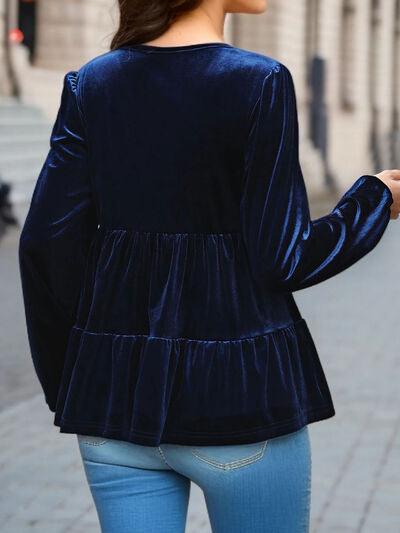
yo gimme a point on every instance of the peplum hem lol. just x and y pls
(152, 390)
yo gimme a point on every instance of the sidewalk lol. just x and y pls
(356, 454)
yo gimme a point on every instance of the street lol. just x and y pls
(354, 319)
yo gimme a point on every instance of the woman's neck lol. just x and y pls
(202, 24)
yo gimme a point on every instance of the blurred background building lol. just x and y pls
(344, 56)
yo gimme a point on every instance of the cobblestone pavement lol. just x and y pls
(354, 319)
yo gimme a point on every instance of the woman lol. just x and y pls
(167, 231)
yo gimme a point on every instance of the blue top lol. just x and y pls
(167, 230)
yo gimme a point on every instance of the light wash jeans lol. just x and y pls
(259, 487)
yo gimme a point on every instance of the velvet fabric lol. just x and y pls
(168, 229)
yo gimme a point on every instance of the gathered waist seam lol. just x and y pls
(292, 325)
(108, 229)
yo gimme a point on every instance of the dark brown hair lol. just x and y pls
(144, 20)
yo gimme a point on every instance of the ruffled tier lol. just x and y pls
(195, 285)
(151, 390)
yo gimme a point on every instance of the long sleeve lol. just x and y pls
(286, 250)
(55, 239)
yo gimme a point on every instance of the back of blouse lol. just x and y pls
(167, 231)
(168, 134)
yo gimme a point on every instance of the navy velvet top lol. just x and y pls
(167, 230)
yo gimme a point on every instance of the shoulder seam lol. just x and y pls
(256, 107)
(275, 68)
(79, 95)
(73, 77)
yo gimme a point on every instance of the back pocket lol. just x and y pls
(229, 457)
(92, 440)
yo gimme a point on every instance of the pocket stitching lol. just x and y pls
(93, 443)
(232, 464)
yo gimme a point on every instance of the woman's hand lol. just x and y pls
(392, 179)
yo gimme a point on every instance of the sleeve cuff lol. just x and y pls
(51, 404)
(373, 186)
